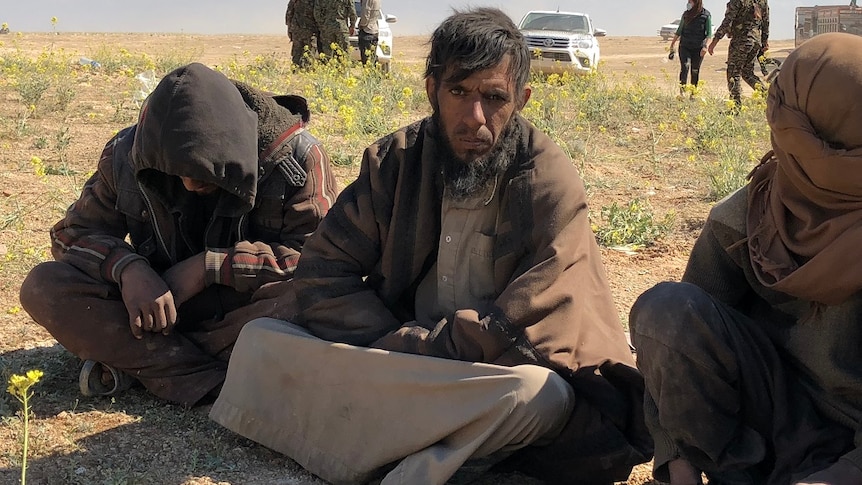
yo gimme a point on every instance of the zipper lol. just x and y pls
(155, 224)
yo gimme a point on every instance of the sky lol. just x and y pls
(415, 17)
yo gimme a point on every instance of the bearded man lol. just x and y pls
(452, 306)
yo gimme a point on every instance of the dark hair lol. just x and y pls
(696, 8)
(475, 40)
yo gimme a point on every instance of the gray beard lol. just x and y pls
(465, 179)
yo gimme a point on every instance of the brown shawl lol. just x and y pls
(805, 203)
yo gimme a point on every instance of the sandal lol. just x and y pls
(90, 380)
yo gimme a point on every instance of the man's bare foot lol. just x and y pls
(682, 473)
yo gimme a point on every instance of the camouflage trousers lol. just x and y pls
(303, 46)
(333, 42)
(740, 66)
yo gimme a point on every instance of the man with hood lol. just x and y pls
(194, 215)
(452, 306)
(752, 362)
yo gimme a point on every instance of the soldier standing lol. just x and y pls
(368, 30)
(746, 22)
(336, 19)
(302, 30)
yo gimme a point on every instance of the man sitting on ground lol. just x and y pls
(452, 306)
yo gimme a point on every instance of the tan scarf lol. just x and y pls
(805, 203)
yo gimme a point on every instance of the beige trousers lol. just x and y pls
(347, 413)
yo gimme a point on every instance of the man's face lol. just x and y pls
(472, 113)
(198, 187)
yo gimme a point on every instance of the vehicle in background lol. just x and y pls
(561, 41)
(811, 21)
(667, 31)
(385, 40)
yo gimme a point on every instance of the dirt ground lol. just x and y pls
(136, 439)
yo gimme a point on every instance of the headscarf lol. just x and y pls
(805, 203)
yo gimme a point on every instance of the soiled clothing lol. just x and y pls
(534, 290)
(742, 376)
(753, 370)
(805, 207)
(543, 250)
(274, 186)
(400, 420)
(463, 275)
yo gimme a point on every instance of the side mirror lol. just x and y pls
(391, 19)
(600, 32)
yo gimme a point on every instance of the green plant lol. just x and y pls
(631, 225)
(61, 142)
(730, 171)
(20, 387)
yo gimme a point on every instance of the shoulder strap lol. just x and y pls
(286, 154)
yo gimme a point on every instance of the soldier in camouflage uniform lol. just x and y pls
(302, 30)
(336, 19)
(746, 22)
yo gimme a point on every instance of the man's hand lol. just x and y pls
(711, 46)
(842, 472)
(148, 300)
(352, 31)
(187, 278)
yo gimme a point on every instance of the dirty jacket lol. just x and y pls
(745, 22)
(356, 281)
(818, 342)
(274, 188)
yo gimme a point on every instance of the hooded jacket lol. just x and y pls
(273, 177)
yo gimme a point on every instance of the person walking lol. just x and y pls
(368, 30)
(746, 22)
(693, 34)
(336, 20)
(303, 31)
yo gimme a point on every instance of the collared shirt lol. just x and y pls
(463, 276)
(369, 16)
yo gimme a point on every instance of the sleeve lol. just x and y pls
(679, 28)
(365, 16)
(91, 235)
(561, 254)
(288, 14)
(251, 264)
(764, 28)
(333, 299)
(708, 31)
(855, 455)
(351, 14)
(730, 13)
(712, 268)
(536, 302)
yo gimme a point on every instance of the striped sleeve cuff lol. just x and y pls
(217, 268)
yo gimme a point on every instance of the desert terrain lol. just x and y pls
(134, 438)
